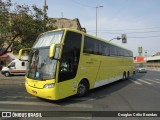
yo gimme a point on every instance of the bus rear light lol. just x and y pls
(49, 85)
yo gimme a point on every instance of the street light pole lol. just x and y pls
(96, 16)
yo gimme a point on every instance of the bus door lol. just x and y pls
(69, 64)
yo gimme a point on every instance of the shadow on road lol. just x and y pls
(97, 93)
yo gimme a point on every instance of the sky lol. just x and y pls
(138, 19)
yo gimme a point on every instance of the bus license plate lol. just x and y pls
(33, 91)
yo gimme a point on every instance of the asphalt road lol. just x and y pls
(140, 93)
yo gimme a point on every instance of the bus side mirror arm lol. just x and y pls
(19, 54)
(21, 51)
(57, 59)
(53, 51)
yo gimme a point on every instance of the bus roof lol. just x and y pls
(81, 32)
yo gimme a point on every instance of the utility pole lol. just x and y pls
(45, 8)
(96, 17)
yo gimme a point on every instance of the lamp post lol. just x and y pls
(96, 16)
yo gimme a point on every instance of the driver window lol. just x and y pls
(70, 56)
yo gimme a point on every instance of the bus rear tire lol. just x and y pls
(83, 88)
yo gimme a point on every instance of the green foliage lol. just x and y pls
(21, 27)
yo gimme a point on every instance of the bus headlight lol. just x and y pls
(49, 85)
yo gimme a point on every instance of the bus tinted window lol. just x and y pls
(105, 49)
(70, 56)
(113, 50)
(88, 45)
(93, 46)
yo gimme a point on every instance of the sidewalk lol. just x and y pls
(153, 69)
(11, 80)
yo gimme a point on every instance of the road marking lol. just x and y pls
(83, 99)
(157, 79)
(30, 97)
(86, 118)
(26, 103)
(44, 104)
(14, 97)
(135, 82)
(153, 81)
(145, 82)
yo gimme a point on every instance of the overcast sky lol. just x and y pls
(139, 19)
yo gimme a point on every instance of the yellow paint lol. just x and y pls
(94, 68)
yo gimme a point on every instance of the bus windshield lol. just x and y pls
(40, 66)
(48, 38)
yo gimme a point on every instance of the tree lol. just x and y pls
(20, 27)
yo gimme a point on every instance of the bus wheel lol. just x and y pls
(83, 88)
(6, 74)
(124, 76)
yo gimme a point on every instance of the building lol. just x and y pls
(67, 23)
(153, 59)
(139, 59)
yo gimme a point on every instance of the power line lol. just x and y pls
(145, 37)
(84, 5)
(128, 32)
(128, 29)
(140, 36)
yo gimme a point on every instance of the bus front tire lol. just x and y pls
(83, 88)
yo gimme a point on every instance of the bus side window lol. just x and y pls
(88, 45)
(113, 50)
(105, 49)
(70, 56)
(66, 66)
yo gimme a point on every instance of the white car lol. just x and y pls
(16, 67)
(141, 69)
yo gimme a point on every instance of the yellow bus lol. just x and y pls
(66, 62)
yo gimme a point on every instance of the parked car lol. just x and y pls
(16, 67)
(141, 69)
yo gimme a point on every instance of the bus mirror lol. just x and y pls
(54, 51)
(23, 54)
(20, 54)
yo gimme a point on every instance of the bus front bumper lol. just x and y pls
(47, 93)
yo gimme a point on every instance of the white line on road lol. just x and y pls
(135, 82)
(14, 97)
(153, 81)
(157, 79)
(86, 118)
(26, 103)
(45, 104)
(145, 82)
